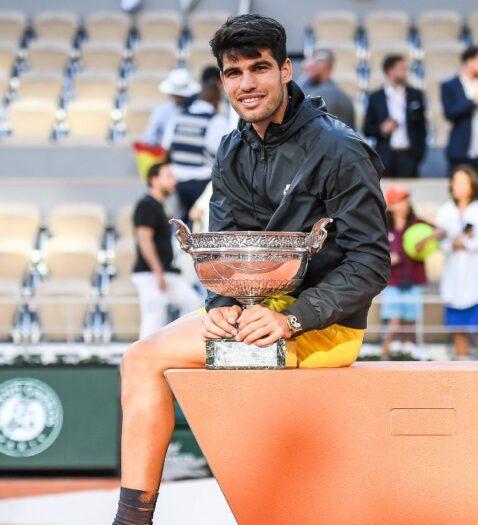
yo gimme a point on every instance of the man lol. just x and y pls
(317, 81)
(192, 138)
(460, 104)
(286, 165)
(395, 118)
(180, 87)
(157, 281)
(211, 73)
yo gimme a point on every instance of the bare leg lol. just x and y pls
(393, 325)
(408, 336)
(462, 344)
(147, 401)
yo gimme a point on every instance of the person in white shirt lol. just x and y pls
(199, 213)
(180, 86)
(458, 218)
(395, 119)
(192, 139)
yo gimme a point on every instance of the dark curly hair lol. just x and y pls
(245, 35)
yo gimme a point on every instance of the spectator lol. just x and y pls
(401, 299)
(199, 213)
(192, 138)
(180, 87)
(317, 81)
(157, 281)
(460, 105)
(395, 118)
(458, 217)
(211, 73)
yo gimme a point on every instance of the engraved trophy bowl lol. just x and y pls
(250, 266)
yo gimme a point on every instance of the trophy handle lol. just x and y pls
(317, 236)
(183, 234)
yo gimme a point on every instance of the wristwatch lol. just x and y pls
(294, 324)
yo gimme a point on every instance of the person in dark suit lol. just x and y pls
(395, 118)
(460, 104)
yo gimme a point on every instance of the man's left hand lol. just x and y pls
(262, 326)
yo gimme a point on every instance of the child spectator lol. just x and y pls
(401, 299)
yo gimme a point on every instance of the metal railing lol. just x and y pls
(97, 319)
(427, 324)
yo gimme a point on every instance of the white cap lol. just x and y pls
(180, 83)
(130, 5)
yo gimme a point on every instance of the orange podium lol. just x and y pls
(373, 444)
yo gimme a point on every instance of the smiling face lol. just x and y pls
(257, 88)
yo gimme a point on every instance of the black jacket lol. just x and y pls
(459, 111)
(377, 112)
(324, 169)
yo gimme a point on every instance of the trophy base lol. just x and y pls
(228, 354)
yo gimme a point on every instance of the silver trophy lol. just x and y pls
(250, 266)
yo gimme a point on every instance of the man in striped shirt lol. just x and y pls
(192, 139)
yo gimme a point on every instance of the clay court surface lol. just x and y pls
(27, 487)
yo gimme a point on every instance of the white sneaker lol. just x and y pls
(396, 347)
(415, 351)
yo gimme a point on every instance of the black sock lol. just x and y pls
(135, 507)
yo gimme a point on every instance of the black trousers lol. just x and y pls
(403, 165)
(189, 191)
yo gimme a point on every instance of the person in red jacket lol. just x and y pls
(401, 299)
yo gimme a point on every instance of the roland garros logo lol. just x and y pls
(31, 417)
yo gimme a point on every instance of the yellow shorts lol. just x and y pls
(331, 347)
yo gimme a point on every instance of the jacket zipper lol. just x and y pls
(264, 160)
(252, 188)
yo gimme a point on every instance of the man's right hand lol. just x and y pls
(388, 126)
(220, 323)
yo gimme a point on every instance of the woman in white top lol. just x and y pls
(458, 217)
